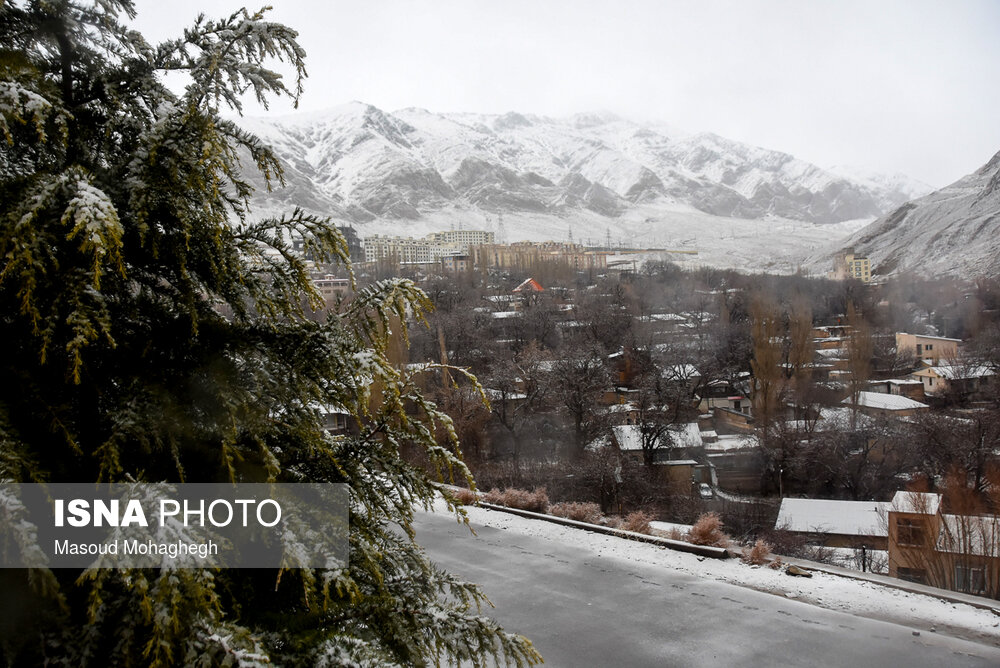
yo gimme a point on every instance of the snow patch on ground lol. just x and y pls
(828, 591)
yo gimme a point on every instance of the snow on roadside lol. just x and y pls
(856, 597)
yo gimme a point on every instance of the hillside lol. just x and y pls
(953, 231)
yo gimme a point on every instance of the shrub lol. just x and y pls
(675, 534)
(821, 554)
(494, 496)
(612, 521)
(708, 531)
(536, 500)
(757, 554)
(783, 541)
(579, 511)
(466, 497)
(637, 521)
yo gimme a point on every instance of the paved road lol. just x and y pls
(584, 610)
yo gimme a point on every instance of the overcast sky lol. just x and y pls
(911, 86)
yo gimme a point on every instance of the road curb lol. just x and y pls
(680, 546)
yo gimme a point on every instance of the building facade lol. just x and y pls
(930, 349)
(397, 249)
(849, 265)
(461, 238)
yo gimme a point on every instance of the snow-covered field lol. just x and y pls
(921, 612)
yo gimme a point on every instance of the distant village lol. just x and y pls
(852, 418)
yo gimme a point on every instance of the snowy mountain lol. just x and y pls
(589, 175)
(953, 231)
(363, 164)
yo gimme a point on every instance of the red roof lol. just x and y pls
(530, 284)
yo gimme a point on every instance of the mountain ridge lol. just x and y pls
(369, 164)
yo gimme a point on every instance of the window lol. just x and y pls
(917, 575)
(910, 532)
(970, 579)
(920, 349)
(930, 346)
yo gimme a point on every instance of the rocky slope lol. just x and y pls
(953, 231)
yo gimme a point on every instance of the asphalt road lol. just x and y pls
(584, 610)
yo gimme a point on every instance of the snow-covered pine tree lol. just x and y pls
(124, 227)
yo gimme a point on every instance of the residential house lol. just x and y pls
(528, 286)
(878, 403)
(836, 523)
(930, 349)
(337, 420)
(331, 287)
(724, 394)
(736, 460)
(911, 388)
(965, 380)
(679, 441)
(957, 552)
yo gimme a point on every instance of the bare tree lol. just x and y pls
(765, 328)
(862, 460)
(859, 357)
(578, 381)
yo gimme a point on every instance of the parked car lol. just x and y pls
(705, 491)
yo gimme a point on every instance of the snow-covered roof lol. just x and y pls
(666, 317)
(916, 502)
(833, 418)
(323, 408)
(952, 372)
(497, 395)
(686, 435)
(500, 315)
(970, 534)
(629, 436)
(928, 336)
(677, 462)
(887, 402)
(680, 372)
(896, 381)
(621, 408)
(529, 285)
(726, 442)
(851, 518)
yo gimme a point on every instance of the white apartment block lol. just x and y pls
(401, 249)
(461, 239)
(428, 249)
